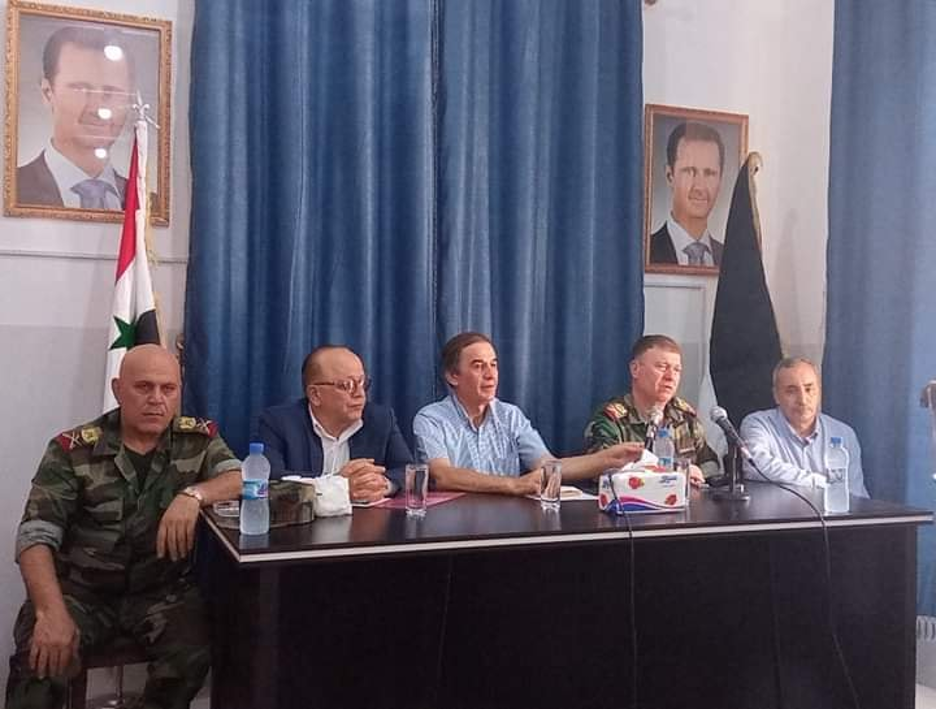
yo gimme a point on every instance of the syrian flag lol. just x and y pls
(134, 311)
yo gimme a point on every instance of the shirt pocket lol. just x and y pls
(104, 501)
(505, 454)
(177, 481)
(107, 512)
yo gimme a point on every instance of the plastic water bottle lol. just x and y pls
(664, 449)
(255, 505)
(835, 494)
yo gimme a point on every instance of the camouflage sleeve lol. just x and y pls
(52, 501)
(706, 458)
(603, 431)
(218, 459)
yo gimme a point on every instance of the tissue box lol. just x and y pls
(642, 491)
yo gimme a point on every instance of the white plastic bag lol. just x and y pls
(332, 495)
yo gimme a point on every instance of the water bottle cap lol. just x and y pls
(256, 447)
(663, 433)
(836, 441)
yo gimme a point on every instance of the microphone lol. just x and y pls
(928, 396)
(719, 416)
(655, 416)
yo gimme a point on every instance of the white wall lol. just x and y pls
(773, 62)
(56, 281)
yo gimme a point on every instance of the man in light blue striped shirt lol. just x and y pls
(474, 442)
(789, 443)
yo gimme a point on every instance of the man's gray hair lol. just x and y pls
(791, 362)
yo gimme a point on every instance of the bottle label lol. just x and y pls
(665, 462)
(254, 489)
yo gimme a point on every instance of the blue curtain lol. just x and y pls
(540, 198)
(387, 173)
(312, 185)
(880, 339)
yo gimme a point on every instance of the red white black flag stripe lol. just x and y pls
(134, 311)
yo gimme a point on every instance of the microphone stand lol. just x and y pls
(734, 464)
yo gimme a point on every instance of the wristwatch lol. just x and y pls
(193, 492)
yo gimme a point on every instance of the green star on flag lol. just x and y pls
(127, 334)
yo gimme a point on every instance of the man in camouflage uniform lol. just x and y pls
(104, 543)
(656, 366)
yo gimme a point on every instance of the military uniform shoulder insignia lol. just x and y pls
(185, 423)
(193, 425)
(615, 410)
(684, 406)
(78, 438)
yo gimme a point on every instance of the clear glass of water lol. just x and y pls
(416, 489)
(682, 466)
(551, 485)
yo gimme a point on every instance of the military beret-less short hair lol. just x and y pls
(663, 342)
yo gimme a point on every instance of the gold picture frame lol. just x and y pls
(82, 114)
(685, 196)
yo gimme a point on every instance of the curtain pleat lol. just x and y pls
(387, 173)
(880, 340)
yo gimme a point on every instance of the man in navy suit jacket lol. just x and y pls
(333, 429)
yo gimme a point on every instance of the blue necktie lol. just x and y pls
(696, 251)
(92, 192)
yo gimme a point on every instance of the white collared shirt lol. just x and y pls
(681, 239)
(67, 175)
(336, 450)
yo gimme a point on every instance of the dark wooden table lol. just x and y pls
(491, 601)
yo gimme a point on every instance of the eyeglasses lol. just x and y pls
(350, 385)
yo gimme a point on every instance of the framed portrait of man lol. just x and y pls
(76, 80)
(691, 161)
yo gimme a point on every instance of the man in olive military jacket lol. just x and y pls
(656, 368)
(104, 542)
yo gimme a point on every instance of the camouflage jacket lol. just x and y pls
(617, 421)
(86, 502)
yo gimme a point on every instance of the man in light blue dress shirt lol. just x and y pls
(789, 443)
(474, 442)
